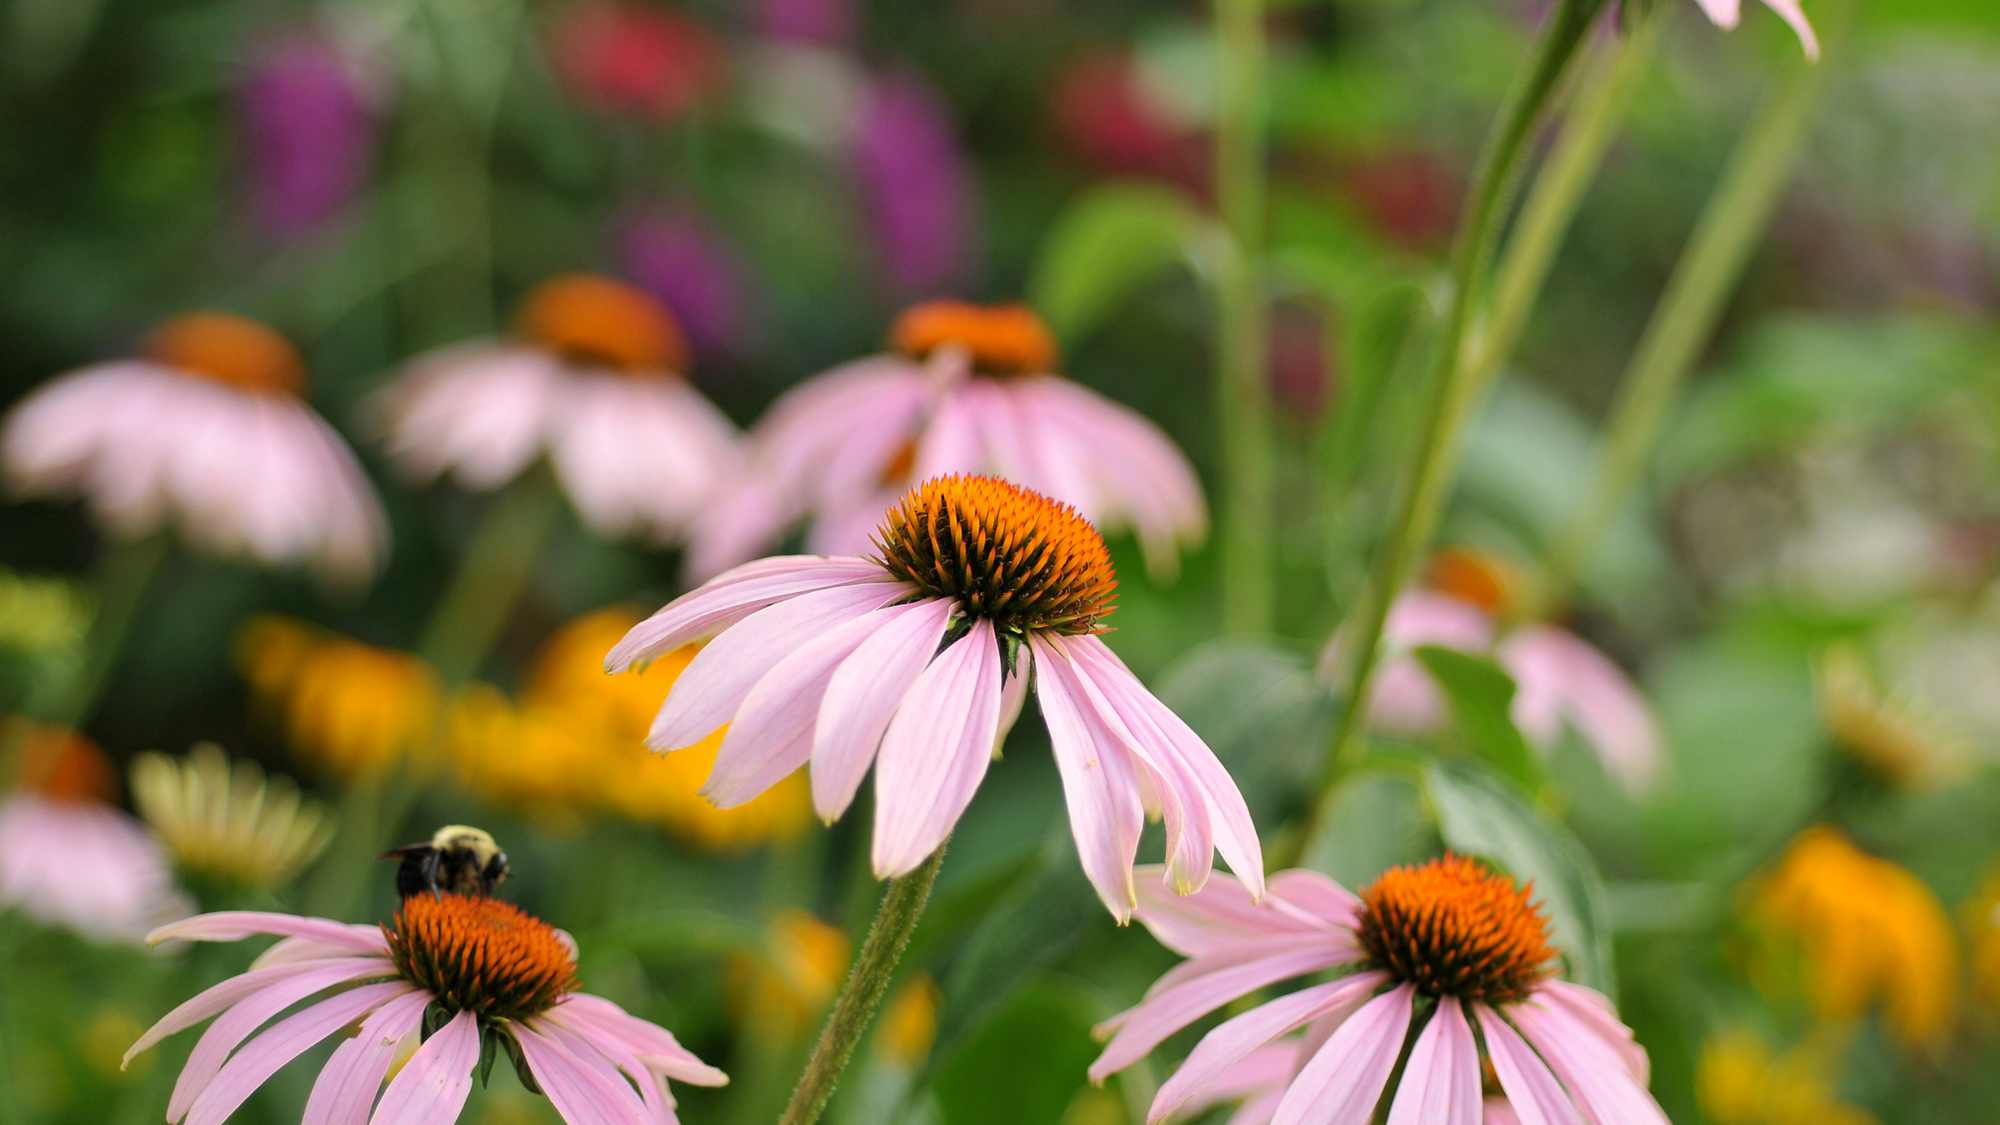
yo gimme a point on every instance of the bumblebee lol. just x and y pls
(458, 858)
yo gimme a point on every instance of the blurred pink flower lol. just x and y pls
(916, 184)
(822, 23)
(969, 390)
(68, 857)
(1449, 931)
(308, 134)
(619, 56)
(918, 663)
(206, 432)
(595, 381)
(1560, 680)
(495, 971)
(682, 260)
(1108, 118)
(1725, 13)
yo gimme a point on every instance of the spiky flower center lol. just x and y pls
(604, 323)
(1453, 928)
(1003, 339)
(230, 350)
(480, 955)
(1010, 556)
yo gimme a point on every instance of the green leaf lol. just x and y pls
(1374, 820)
(1109, 243)
(1260, 708)
(1376, 344)
(1481, 696)
(1482, 815)
(1025, 1065)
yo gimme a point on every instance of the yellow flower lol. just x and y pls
(909, 1022)
(1885, 736)
(533, 759)
(1863, 927)
(1982, 926)
(1739, 1082)
(228, 823)
(41, 615)
(780, 988)
(348, 709)
(617, 711)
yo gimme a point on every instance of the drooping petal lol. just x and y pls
(1105, 812)
(1210, 919)
(1344, 1080)
(1562, 678)
(582, 1093)
(1440, 1083)
(730, 597)
(863, 695)
(1533, 1094)
(1234, 1039)
(717, 680)
(1593, 1010)
(935, 752)
(1725, 13)
(235, 925)
(652, 1043)
(1792, 13)
(432, 1087)
(259, 1059)
(1318, 897)
(346, 1088)
(219, 997)
(1259, 1080)
(1597, 1077)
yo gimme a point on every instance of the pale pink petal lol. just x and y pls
(731, 597)
(716, 681)
(84, 866)
(639, 455)
(1440, 1083)
(1259, 1079)
(346, 1088)
(1791, 12)
(1560, 678)
(863, 695)
(612, 1060)
(295, 949)
(235, 925)
(219, 997)
(1498, 1111)
(1318, 896)
(1534, 1097)
(432, 1087)
(935, 752)
(1105, 814)
(581, 1093)
(1724, 12)
(1169, 1009)
(655, 1045)
(1595, 1074)
(1233, 1040)
(1592, 1010)
(850, 528)
(951, 441)
(1139, 478)
(259, 1059)
(1344, 1080)
(1210, 919)
(478, 411)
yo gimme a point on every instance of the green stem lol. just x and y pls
(1243, 399)
(1451, 393)
(121, 582)
(902, 904)
(1728, 231)
(490, 576)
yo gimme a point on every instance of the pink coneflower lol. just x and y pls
(968, 389)
(308, 134)
(918, 660)
(1561, 681)
(645, 59)
(493, 979)
(595, 381)
(1725, 13)
(1432, 949)
(916, 184)
(207, 431)
(68, 857)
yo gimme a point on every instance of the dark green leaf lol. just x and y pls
(1259, 707)
(1374, 820)
(1109, 243)
(1024, 1066)
(1480, 695)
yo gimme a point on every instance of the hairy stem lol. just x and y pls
(1243, 399)
(902, 904)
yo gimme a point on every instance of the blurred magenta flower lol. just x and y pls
(645, 59)
(596, 379)
(500, 980)
(915, 183)
(207, 432)
(968, 389)
(918, 661)
(1114, 124)
(1449, 931)
(308, 134)
(822, 23)
(681, 259)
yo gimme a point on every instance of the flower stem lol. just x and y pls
(1728, 231)
(490, 576)
(120, 586)
(1243, 399)
(902, 904)
(1450, 391)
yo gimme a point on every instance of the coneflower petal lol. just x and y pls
(1595, 1075)
(936, 751)
(1233, 1040)
(1105, 815)
(434, 1084)
(1537, 1098)
(220, 997)
(1344, 1079)
(1440, 1083)
(286, 1040)
(729, 598)
(863, 695)
(580, 1091)
(346, 1088)
(243, 1018)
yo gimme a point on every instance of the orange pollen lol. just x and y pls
(63, 765)
(1473, 577)
(1453, 928)
(481, 955)
(1003, 339)
(1007, 555)
(604, 323)
(229, 349)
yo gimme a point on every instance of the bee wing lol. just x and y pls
(405, 850)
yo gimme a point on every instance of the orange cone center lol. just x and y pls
(1003, 339)
(605, 323)
(231, 350)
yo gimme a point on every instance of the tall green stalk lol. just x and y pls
(1243, 397)
(1450, 391)
(902, 904)
(1707, 274)
(119, 588)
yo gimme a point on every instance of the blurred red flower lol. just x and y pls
(637, 58)
(1108, 119)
